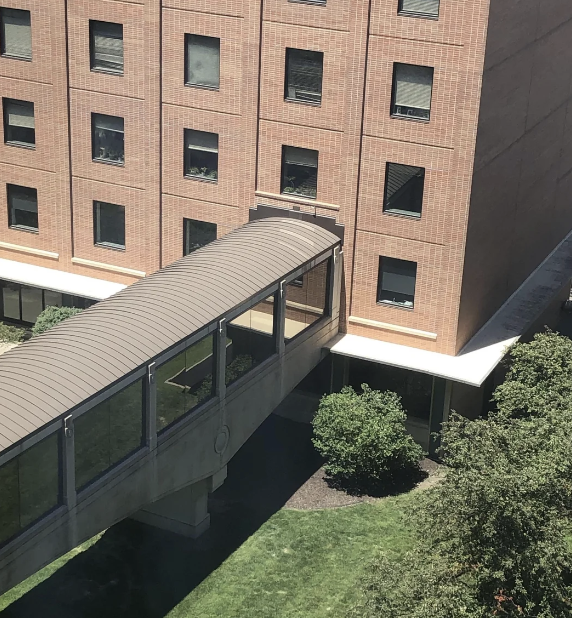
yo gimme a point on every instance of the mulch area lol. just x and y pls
(318, 493)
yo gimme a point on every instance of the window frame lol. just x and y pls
(399, 116)
(187, 222)
(107, 244)
(289, 52)
(6, 101)
(379, 290)
(283, 177)
(3, 52)
(406, 13)
(13, 226)
(92, 67)
(187, 38)
(93, 141)
(402, 213)
(186, 155)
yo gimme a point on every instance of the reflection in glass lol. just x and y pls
(11, 300)
(30, 486)
(250, 339)
(185, 382)
(32, 303)
(108, 433)
(306, 304)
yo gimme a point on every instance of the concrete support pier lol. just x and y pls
(183, 512)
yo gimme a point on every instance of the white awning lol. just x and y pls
(58, 281)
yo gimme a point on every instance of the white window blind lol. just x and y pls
(398, 276)
(21, 115)
(203, 60)
(300, 156)
(108, 123)
(413, 86)
(201, 140)
(421, 7)
(107, 46)
(16, 33)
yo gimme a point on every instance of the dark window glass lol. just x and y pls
(19, 123)
(109, 225)
(30, 486)
(202, 61)
(419, 8)
(201, 154)
(396, 282)
(251, 339)
(16, 33)
(185, 382)
(31, 302)
(22, 207)
(412, 88)
(108, 433)
(404, 189)
(299, 171)
(11, 301)
(108, 142)
(306, 302)
(304, 70)
(197, 234)
(106, 46)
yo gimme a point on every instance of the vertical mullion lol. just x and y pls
(150, 406)
(220, 360)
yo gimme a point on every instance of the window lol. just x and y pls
(22, 207)
(197, 234)
(106, 46)
(108, 433)
(202, 61)
(250, 340)
(31, 487)
(396, 282)
(419, 8)
(299, 171)
(412, 86)
(404, 189)
(16, 34)
(304, 71)
(201, 155)
(108, 139)
(19, 125)
(185, 382)
(306, 300)
(109, 225)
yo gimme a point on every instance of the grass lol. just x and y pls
(297, 564)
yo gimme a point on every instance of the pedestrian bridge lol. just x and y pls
(133, 407)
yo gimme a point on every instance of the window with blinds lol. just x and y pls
(412, 89)
(197, 234)
(419, 8)
(201, 155)
(22, 207)
(299, 171)
(304, 71)
(106, 46)
(16, 33)
(404, 186)
(396, 282)
(109, 225)
(202, 61)
(108, 143)
(19, 124)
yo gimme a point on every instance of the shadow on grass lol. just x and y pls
(398, 483)
(136, 571)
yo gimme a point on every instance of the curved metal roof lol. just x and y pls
(45, 377)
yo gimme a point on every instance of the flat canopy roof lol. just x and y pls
(41, 379)
(486, 349)
(56, 280)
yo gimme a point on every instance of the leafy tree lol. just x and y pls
(363, 437)
(51, 316)
(10, 334)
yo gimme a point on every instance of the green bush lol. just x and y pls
(363, 437)
(51, 316)
(10, 334)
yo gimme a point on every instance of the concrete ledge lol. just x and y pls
(110, 267)
(21, 249)
(393, 327)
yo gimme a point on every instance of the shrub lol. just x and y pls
(363, 437)
(10, 334)
(51, 316)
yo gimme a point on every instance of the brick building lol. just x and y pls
(438, 133)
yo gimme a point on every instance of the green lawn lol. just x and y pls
(297, 564)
